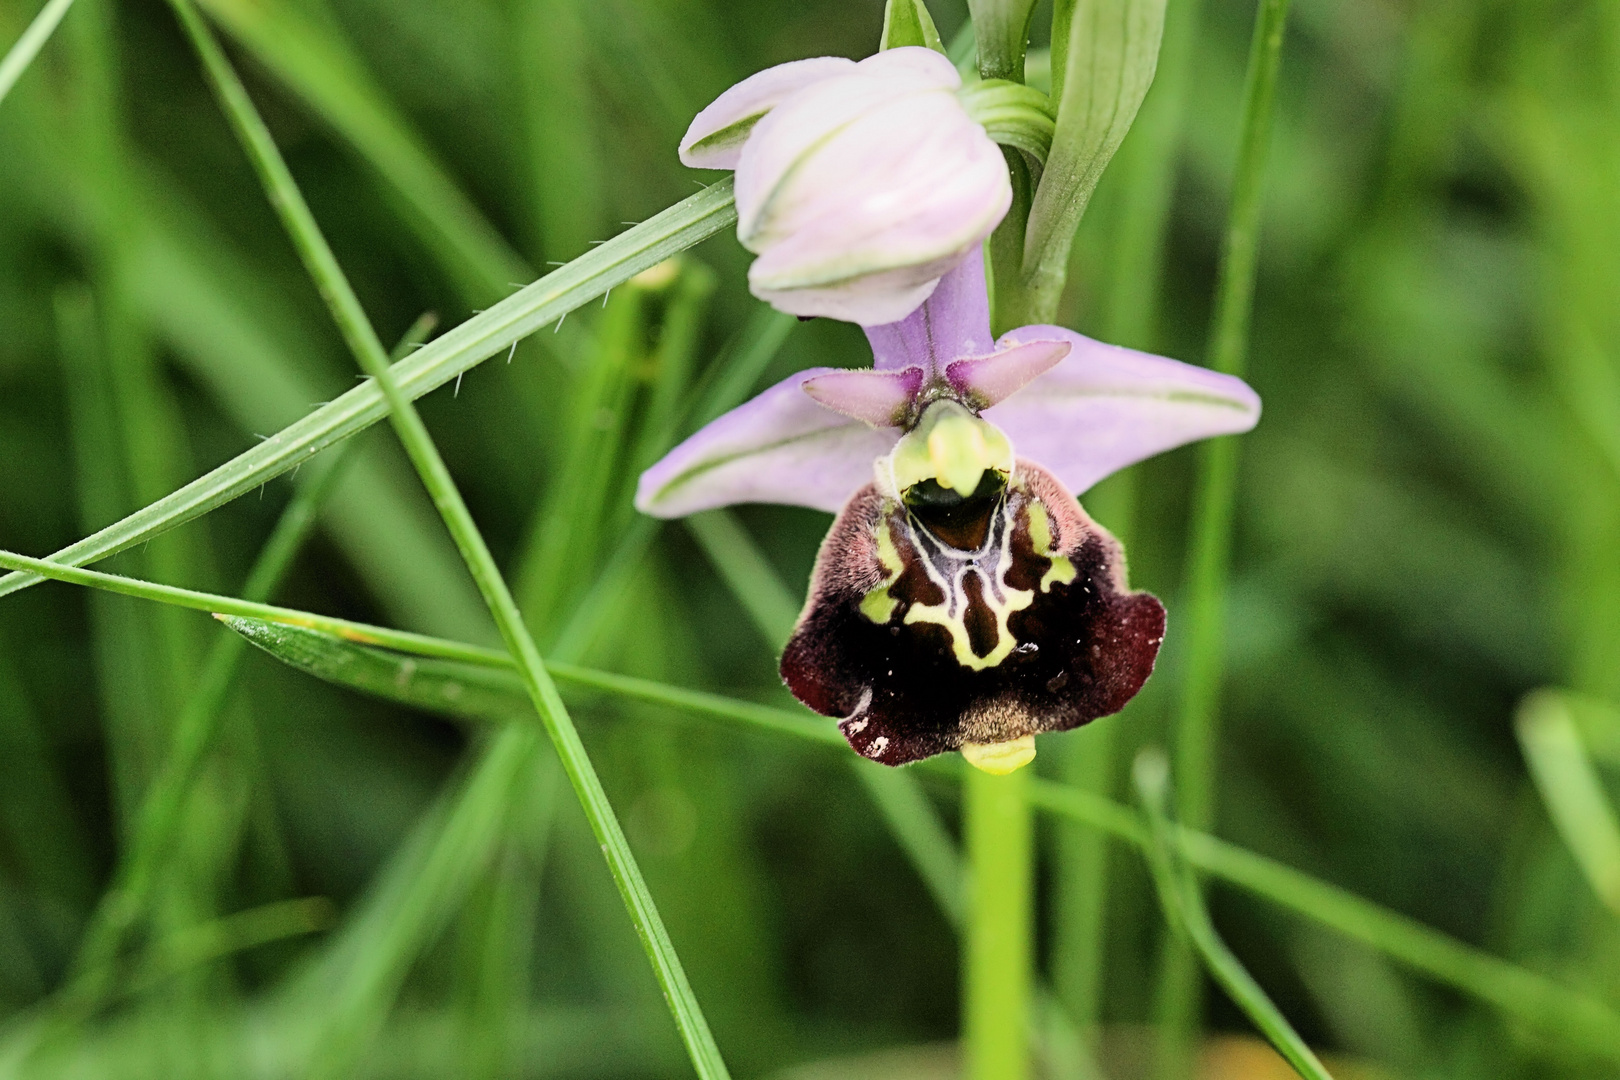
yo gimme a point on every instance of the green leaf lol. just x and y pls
(484, 335)
(448, 687)
(484, 694)
(963, 51)
(907, 22)
(1012, 114)
(1002, 31)
(1111, 50)
(1573, 792)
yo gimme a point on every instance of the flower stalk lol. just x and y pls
(997, 970)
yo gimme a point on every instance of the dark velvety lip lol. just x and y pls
(917, 644)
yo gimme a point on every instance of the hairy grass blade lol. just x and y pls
(540, 304)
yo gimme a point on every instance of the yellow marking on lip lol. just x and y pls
(956, 625)
(1062, 570)
(877, 604)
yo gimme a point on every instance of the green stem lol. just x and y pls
(1197, 727)
(995, 997)
(1183, 904)
(1079, 944)
(998, 950)
(215, 604)
(27, 47)
(419, 447)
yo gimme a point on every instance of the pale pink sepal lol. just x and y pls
(859, 191)
(879, 398)
(716, 136)
(781, 447)
(984, 381)
(1104, 407)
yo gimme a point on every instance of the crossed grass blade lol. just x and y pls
(1586, 1024)
(1214, 502)
(324, 73)
(491, 333)
(1183, 903)
(419, 446)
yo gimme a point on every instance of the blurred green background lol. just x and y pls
(1428, 529)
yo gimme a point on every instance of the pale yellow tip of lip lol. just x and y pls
(1000, 758)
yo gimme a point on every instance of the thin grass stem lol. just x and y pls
(419, 447)
(1518, 993)
(30, 43)
(1183, 903)
(1197, 725)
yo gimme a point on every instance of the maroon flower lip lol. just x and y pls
(919, 646)
(963, 599)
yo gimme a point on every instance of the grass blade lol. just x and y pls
(158, 820)
(1523, 995)
(544, 302)
(1212, 521)
(332, 83)
(27, 47)
(1209, 555)
(419, 446)
(1569, 785)
(743, 567)
(1183, 903)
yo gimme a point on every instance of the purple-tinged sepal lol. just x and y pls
(983, 381)
(1103, 407)
(781, 447)
(879, 398)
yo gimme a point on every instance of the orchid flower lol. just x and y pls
(858, 184)
(963, 599)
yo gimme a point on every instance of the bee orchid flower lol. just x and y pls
(858, 184)
(963, 599)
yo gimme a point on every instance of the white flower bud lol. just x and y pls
(860, 186)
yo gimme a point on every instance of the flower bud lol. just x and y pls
(859, 186)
